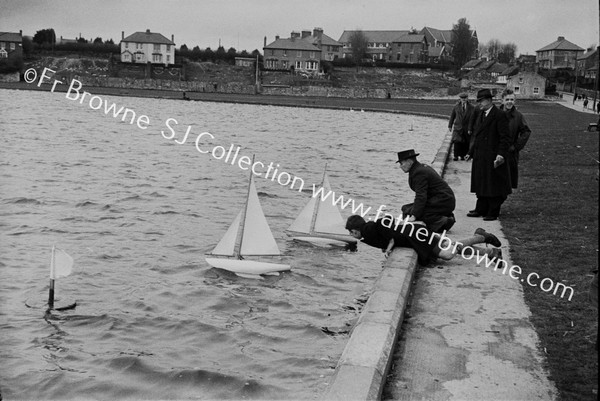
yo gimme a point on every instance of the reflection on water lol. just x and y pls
(138, 212)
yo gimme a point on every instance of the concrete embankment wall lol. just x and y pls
(362, 369)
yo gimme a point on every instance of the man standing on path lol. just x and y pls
(490, 177)
(434, 199)
(519, 134)
(458, 124)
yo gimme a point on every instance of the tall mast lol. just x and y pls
(240, 234)
(313, 220)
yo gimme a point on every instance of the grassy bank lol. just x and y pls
(551, 222)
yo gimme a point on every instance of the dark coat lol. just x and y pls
(490, 137)
(433, 196)
(519, 135)
(378, 235)
(459, 122)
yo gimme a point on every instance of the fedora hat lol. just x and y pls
(484, 94)
(406, 154)
(463, 95)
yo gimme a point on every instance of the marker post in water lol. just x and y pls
(61, 265)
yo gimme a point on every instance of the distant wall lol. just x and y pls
(10, 77)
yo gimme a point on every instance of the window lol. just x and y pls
(298, 65)
(156, 47)
(284, 53)
(168, 59)
(536, 91)
(285, 64)
(127, 45)
(157, 58)
(517, 90)
(168, 48)
(12, 46)
(3, 53)
(298, 53)
(312, 65)
(312, 54)
(520, 80)
(2, 45)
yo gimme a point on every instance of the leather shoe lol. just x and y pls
(489, 218)
(473, 213)
(488, 237)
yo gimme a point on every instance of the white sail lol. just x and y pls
(304, 219)
(329, 220)
(256, 237)
(319, 216)
(226, 246)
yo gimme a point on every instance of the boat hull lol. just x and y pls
(323, 239)
(247, 266)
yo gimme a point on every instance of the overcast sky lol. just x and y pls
(242, 24)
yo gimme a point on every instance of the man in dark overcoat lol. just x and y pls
(458, 124)
(434, 199)
(490, 176)
(519, 134)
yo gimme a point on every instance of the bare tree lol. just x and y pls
(494, 47)
(508, 52)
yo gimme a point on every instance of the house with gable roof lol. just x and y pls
(587, 65)
(440, 43)
(559, 54)
(11, 45)
(410, 48)
(292, 52)
(379, 43)
(147, 47)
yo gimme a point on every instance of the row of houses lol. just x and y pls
(307, 50)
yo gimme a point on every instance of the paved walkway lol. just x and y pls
(469, 336)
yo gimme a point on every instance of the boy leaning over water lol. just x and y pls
(429, 246)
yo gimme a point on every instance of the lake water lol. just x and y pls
(138, 212)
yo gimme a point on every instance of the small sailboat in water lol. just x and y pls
(320, 223)
(248, 235)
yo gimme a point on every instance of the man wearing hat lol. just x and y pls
(458, 124)
(490, 178)
(434, 199)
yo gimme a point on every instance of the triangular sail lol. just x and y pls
(226, 246)
(258, 238)
(251, 236)
(329, 219)
(320, 216)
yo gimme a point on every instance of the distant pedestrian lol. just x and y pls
(434, 201)
(519, 134)
(490, 176)
(585, 103)
(459, 125)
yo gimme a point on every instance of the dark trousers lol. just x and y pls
(460, 149)
(489, 205)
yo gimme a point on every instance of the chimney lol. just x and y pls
(147, 30)
(172, 38)
(318, 33)
(305, 34)
(276, 37)
(561, 38)
(295, 35)
(265, 42)
(122, 35)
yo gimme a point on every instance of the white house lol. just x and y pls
(147, 47)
